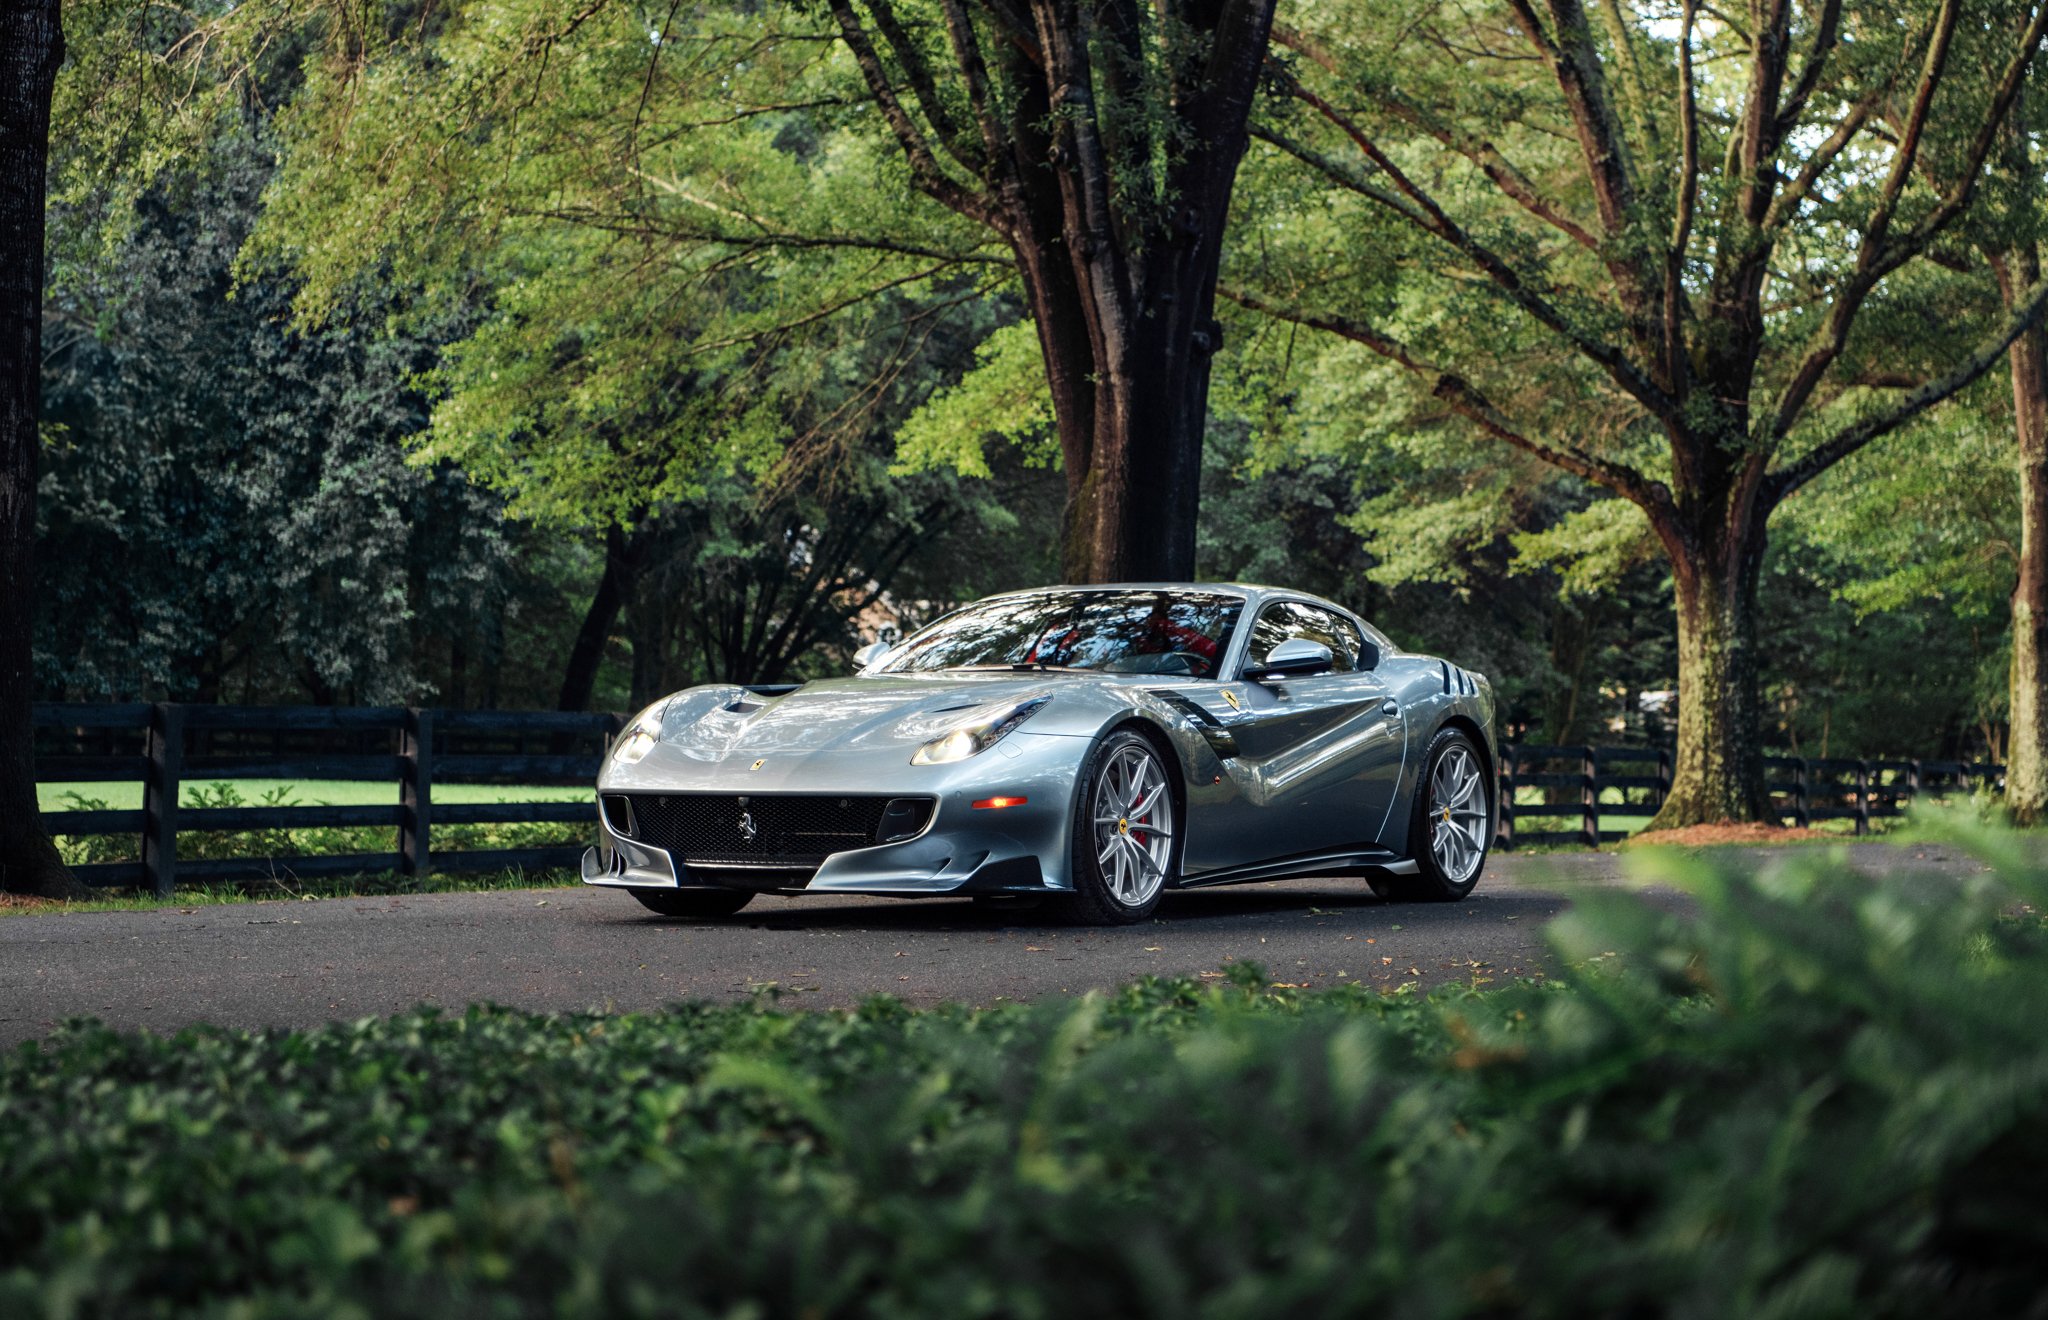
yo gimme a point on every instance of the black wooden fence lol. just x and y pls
(413, 748)
(165, 745)
(1633, 781)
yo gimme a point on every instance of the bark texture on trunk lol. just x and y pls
(2026, 772)
(31, 47)
(1101, 142)
(1717, 773)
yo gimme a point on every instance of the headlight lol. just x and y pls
(640, 737)
(982, 728)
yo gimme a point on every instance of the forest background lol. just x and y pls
(529, 354)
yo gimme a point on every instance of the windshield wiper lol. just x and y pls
(1021, 667)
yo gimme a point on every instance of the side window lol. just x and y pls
(1287, 619)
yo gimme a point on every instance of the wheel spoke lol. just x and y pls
(1134, 825)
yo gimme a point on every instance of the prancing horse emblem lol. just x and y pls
(758, 764)
(748, 829)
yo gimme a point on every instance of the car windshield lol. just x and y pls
(1122, 632)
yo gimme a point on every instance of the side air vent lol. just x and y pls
(618, 812)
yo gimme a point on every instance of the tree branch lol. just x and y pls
(1482, 153)
(930, 176)
(974, 71)
(2025, 314)
(1785, 206)
(918, 72)
(1871, 251)
(1464, 398)
(1681, 221)
(1577, 70)
(1423, 212)
(1824, 36)
(1623, 42)
(2009, 85)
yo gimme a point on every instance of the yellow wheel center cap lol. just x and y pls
(1447, 815)
(1123, 825)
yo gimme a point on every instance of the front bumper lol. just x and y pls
(965, 849)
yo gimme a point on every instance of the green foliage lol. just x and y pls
(1820, 1094)
(1003, 397)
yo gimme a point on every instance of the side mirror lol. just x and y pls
(868, 654)
(1297, 657)
(1368, 656)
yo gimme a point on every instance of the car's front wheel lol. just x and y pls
(1452, 829)
(1126, 844)
(698, 903)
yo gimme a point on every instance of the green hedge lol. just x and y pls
(1821, 1096)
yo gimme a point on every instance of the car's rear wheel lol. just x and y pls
(1126, 844)
(698, 903)
(1452, 829)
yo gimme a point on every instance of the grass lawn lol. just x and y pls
(127, 796)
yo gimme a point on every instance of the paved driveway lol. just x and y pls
(298, 964)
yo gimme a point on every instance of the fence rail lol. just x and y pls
(1803, 790)
(166, 745)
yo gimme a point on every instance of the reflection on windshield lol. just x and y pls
(1178, 634)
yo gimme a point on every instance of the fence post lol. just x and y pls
(416, 793)
(1863, 797)
(1589, 797)
(1663, 788)
(166, 752)
(1506, 829)
(1802, 801)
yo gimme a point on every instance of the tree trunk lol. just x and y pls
(1105, 151)
(2026, 771)
(1146, 482)
(31, 48)
(1718, 772)
(579, 679)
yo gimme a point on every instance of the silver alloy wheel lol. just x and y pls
(1457, 816)
(1133, 825)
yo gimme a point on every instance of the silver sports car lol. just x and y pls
(1097, 745)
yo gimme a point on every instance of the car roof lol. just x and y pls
(1248, 590)
(1253, 593)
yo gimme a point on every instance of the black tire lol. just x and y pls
(1106, 895)
(1435, 881)
(699, 903)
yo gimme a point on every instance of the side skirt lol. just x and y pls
(1295, 868)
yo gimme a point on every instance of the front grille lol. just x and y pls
(709, 829)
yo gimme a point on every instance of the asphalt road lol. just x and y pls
(303, 963)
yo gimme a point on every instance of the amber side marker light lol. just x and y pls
(998, 803)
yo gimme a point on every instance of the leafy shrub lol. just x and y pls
(1821, 1094)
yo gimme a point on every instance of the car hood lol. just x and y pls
(886, 712)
